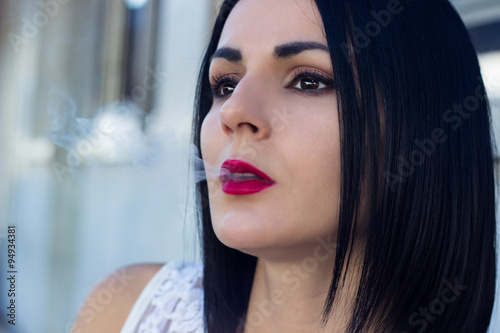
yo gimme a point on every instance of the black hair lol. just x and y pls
(415, 136)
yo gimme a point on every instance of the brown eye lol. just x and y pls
(226, 89)
(308, 83)
(223, 86)
(311, 82)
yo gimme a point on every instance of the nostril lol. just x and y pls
(226, 128)
(252, 126)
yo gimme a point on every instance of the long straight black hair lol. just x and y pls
(415, 136)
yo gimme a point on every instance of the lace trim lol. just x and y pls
(177, 304)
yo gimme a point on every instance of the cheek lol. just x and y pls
(207, 149)
(324, 181)
(319, 142)
(212, 143)
(320, 168)
(204, 136)
(209, 131)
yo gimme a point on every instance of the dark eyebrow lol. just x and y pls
(228, 53)
(288, 50)
(281, 52)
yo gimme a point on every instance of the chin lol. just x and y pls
(255, 240)
(239, 237)
(248, 235)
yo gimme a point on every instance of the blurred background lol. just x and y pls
(96, 105)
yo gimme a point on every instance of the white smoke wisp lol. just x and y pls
(202, 169)
(113, 136)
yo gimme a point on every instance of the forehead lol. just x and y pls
(265, 23)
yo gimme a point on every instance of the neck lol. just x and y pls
(288, 296)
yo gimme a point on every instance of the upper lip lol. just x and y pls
(238, 166)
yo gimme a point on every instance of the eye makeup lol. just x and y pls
(304, 81)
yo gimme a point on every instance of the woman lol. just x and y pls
(355, 191)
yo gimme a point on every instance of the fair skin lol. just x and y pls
(300, 150)
(276, 109)
(100, 315)
(301, 153)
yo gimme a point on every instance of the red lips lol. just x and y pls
(234, 184)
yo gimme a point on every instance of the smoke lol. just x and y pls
(115, 136)
(202, 169)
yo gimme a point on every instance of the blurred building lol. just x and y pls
(93, 183)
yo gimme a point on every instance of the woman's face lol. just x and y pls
(275, 108)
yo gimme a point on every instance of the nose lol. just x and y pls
(244, 112)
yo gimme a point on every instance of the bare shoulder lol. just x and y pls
(107, 306)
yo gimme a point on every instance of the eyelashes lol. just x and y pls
(317, 82)
(304, 81)
(222, 81)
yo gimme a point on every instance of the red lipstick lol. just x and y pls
(240, 178)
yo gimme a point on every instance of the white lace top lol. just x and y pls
(172, 302)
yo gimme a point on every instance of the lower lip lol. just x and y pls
(242, 187)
